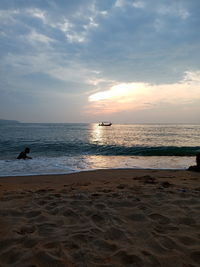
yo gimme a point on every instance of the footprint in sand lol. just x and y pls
(151, 259)
(46, 229)
(186, 221)
(33, 213)
(11, 213)
(137, 217)
(38, 219)
(114, 233)
(42, 202)
(12, 256)
(101, 244)
(41, 191)
(168, 243)
(26, 230)
(156, 246)
(100, 205)
(121, 186)
(162, 229)
(187, 240)
(159, 218)
(123, 204)
(44, 258)
(70, 244)
(51, 205)
(166, 184)
(82, 238)
(70, 216)
(12, 197)
(128, 259)
(98, 218)
(29, 242)
(5, 244)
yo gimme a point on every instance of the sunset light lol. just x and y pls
(99, 132)
(140, 96)
(118, 92)
(100, 96)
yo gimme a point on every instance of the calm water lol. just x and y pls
(65, 148)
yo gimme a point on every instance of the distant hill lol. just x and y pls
(8, 121)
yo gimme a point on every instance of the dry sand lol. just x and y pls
(101, 218)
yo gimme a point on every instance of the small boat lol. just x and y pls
(105, 124)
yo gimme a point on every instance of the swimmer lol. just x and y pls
(23, 154)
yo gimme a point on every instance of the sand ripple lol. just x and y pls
(116, 225)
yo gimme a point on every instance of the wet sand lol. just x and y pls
(101, 218)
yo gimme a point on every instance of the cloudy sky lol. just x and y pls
(125, 61)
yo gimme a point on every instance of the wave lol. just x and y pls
(83, 148)
(142, 150)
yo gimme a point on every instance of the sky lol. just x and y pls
(124, 61)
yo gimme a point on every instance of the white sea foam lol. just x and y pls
(62, 165)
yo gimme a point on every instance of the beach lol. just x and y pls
(101, 218)
(66, 148)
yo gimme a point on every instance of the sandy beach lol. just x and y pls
(101, 218)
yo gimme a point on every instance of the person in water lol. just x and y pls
(23, 154)
(196, 168)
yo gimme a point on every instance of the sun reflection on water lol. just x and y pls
(97, 134)
(101, 135)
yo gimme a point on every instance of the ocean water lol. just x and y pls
(67, 148)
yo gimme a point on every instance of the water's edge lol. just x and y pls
(66, 165)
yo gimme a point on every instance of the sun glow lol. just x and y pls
(137, 96)
(100, 96)
(116, 92)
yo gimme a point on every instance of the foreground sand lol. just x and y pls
(101, 218)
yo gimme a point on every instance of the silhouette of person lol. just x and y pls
(23, 154)
(196, 168)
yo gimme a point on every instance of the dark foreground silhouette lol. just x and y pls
(196, 168)
(23, 154)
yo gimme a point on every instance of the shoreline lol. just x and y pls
(115, 217)
(57, 166)
(91, 170)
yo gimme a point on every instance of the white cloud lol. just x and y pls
(91, 24)
(120, 3)
(54, 65)
(192, 77)
(173, 10)
(138, 4)
(8, 16)
(74, 37)
(38, 37)
(137, 96)
(70, 32)
(65, 26)
(68, 26)
(135, 4)
(103, 13)
(38, 13)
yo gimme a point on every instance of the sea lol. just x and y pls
(59, 148)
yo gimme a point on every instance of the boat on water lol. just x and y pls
(105, 124)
